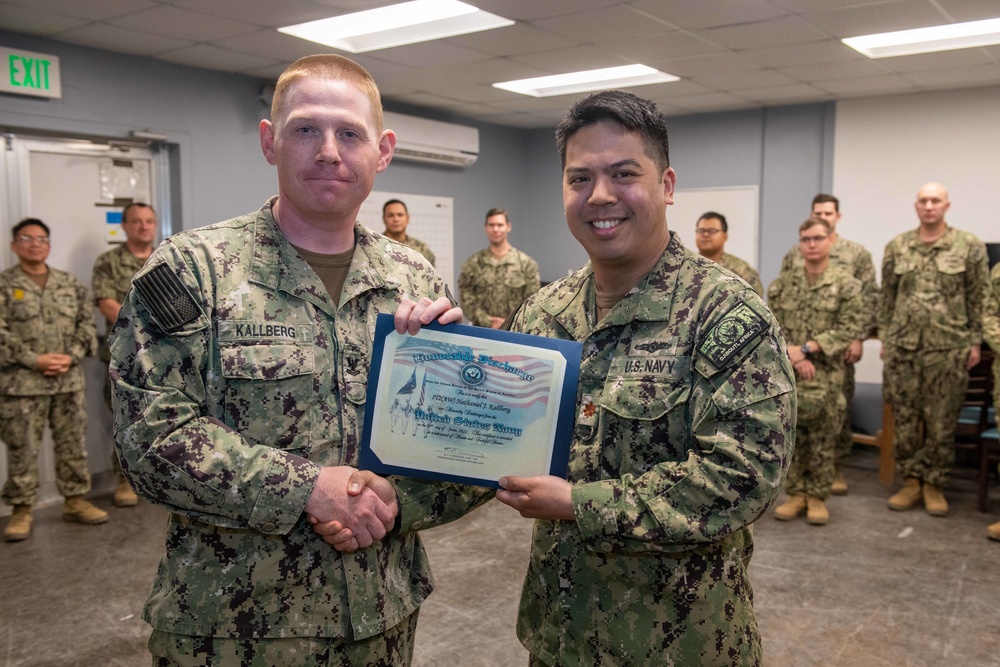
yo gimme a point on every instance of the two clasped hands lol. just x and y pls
(352, 509)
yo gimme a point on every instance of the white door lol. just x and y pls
(78, 189)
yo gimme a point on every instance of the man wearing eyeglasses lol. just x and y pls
(857, 261)
(931, 323)
(711, 234)
(46, 329)
(820, 310)
(110, 282)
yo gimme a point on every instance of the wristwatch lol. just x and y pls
(805, 350)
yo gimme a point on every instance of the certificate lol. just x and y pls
(469, 404)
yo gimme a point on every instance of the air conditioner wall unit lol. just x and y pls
(432, 141)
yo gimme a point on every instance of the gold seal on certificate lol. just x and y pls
(469, 404)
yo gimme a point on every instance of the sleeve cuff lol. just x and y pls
(280, 504)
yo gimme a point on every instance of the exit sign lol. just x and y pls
(30, 73)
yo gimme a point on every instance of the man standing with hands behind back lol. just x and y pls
(110, 282)
(240, 363)
(931, 326)
(494, 280)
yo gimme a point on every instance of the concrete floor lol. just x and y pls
(873, 587)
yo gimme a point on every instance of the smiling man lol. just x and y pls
(640, 556)
(240, 361)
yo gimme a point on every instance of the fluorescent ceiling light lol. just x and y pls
(396, 25)
(927, 40)
(582, 82)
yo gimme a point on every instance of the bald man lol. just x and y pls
(930, 320)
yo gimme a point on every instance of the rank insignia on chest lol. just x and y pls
(18, 294)
(588, 411)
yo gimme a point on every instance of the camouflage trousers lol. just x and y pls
(845, 439)
(393, 648)
(22, 425)
(812, 468)
(926, 390)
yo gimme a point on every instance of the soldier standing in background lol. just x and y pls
(819, 308)
(46, 329)
(494, 280)
(991, 334)
(934, 282)
(711, 233)
(110, 282)
(857, 261)
(396, 217)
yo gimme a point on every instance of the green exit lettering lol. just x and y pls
(29, 72)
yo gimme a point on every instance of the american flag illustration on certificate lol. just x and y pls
(468, 404)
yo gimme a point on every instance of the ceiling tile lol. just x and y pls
(262, 12)
(184, 24)
(653, 48)
(529, 10)
(428, 54)
(940, 60)
(802, 54)
(745, 79)
(90, 10)
(709, 13)
(485, 72)
(35, 22)
(803, 6)
(716, 63)
(979, 74)
(828, 71)
(871, 85)
(518, 38)
(796, 91)
(525, 121)
(100, 35)
(212, 57)
(269, 43)
(713, 102)
(618, 22)
(776, 32)
(970, 10)
(871, 19)
(574, 59)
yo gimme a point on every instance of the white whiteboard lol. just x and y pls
(432, 220)
(740, 205)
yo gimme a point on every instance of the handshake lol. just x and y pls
(351, 509)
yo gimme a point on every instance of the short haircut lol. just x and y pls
(395, 201)
(327, 66)
(135, 204)
(812, 222)
(822, 199)
(496, 210)
(712, 215)
(27, 222)
(628, 110)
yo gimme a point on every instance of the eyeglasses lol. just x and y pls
(809, 240)
(27, 240)
(707, 231)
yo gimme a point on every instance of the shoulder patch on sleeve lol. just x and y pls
(165, 295)
(739, 327)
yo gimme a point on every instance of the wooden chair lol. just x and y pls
(974, 423)
(883, 441)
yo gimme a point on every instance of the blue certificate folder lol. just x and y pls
(468, 404)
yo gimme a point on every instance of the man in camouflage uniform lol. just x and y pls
(857, 261)
(110, 282)
(991, 334)
(711, 233)
(396, 217)
(494, 280)
(934, 281)
(820, 311)
(46, 329)
(240, 363)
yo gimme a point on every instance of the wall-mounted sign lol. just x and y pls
(30, 73)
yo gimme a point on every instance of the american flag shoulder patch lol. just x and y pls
(165, 295)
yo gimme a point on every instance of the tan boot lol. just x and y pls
(839, 487)
(79, 510)
(19, 527)
(934, 501)
(125, 496)
(790, 509)
(816, 512)
(993, 531)
(907, 496)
